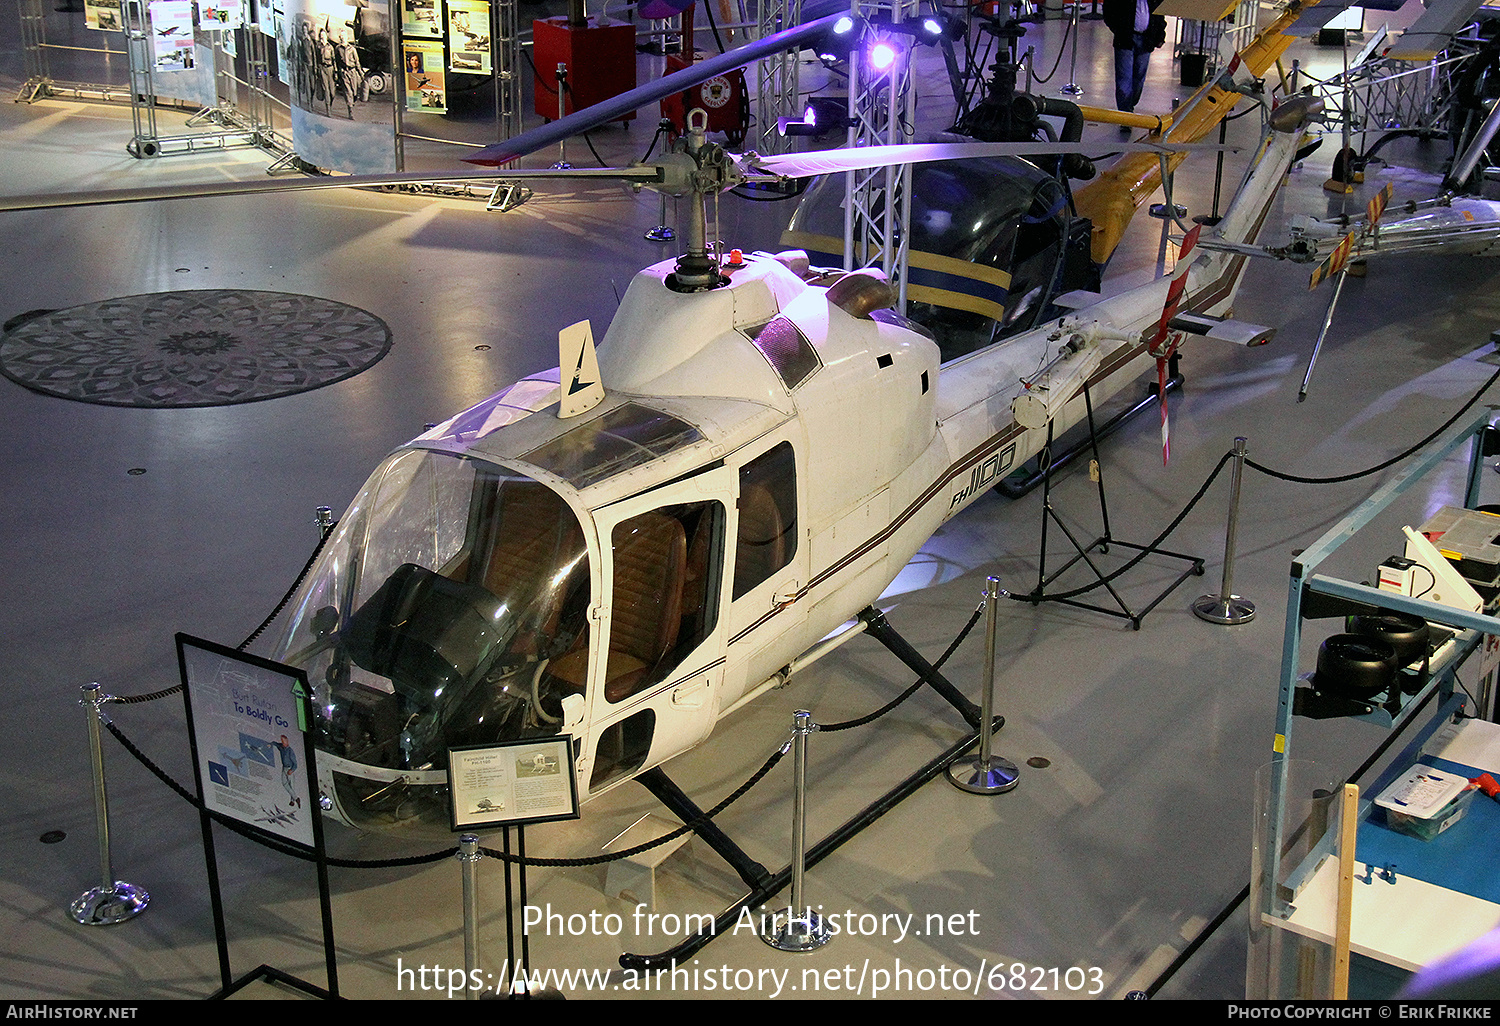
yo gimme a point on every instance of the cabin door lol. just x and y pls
(661, 625)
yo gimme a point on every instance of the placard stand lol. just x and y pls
(225, 691)
(1100, 544)
(509, 784)
(520, 984)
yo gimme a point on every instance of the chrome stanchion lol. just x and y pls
(562, 109)
(662, 232)
(802, 929)
(988, 774)
(1227, 607)
(468, 856)
(1073, 88)
(324, 515)
(113, 901)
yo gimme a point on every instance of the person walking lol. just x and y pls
(1137, 31)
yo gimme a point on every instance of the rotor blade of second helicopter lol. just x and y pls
(147, 194)
(864, 158)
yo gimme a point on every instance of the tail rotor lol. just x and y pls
(1164, 340)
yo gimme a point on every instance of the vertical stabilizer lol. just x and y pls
(578, 374)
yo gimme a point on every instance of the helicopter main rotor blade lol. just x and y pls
(864, 158)
(643, 173)
(794, 38)
(1312, 361)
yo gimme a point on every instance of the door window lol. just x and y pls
(665, 592)
(767, 538)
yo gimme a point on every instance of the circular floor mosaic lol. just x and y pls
(196, 348)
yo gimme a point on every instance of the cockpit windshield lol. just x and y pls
(450, 609)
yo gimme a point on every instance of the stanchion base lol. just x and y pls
(1071, 90)
(105, 906)
(978, 777)
(661, 233)
(805, 933)
(1231, 611)
(508, 197)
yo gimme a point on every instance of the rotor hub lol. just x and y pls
(708, 171)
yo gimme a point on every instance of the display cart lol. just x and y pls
(1416, 905)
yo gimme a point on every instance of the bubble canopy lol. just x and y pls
(450, 609)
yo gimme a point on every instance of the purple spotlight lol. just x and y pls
(882, 56)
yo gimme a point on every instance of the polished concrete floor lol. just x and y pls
(1132, 832)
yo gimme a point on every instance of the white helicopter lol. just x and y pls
(630, 549)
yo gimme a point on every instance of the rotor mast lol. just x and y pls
(699, 170)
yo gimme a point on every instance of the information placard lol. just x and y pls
(103, 15)
(426, 90)
(172, 35)
(516, 782)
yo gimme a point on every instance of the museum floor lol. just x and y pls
(122, 526)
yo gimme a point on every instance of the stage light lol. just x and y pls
(807, 126)
(882, 56)
(842, 39)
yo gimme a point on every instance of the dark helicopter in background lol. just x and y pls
(994, 241)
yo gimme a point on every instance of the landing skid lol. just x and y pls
(758, 896)
(764, 886)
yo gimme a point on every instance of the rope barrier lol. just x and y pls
(861, 721)
(252, 835)
(693, 824)
(1278, 475)
(1146, 550)
(316, 552)
(1388, 463)
(1061, 50)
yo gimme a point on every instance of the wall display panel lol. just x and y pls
(337, 60)
(181, 67)
(426, 87)
(221, 15)
(469, 40)
(172, 35)
(422, 18)
(269, 15)
(103, 15)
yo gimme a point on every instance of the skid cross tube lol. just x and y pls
(879, 628)
(676, 800)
